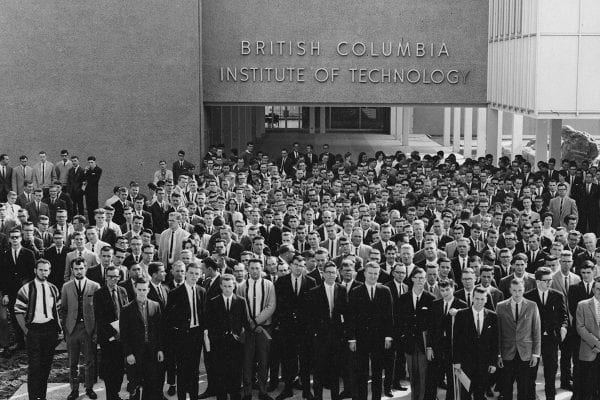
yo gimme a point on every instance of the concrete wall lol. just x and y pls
(428, 121)
(233, 126)
(117, 79)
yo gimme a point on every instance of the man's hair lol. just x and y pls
(153, 267)
(541, 272)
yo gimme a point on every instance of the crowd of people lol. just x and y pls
(300, 271)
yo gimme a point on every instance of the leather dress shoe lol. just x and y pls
(91, 394)
(388, 393)
(263, 396)
(285, 394)
(399, 386)
(345, 395)
(73, 395)
(172, 391)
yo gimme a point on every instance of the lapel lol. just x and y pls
(593, 311)
(511, 317)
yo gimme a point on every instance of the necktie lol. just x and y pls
(115, 298)
(194, 311)
(160, 296)
(446, 308)
(43, 171)
(296, 286)
(516, 312)
(587, 289)
(93, 247)
(254, 300)
(44, 300)
(372, 293)
(468, 299)
(561, 205)
(566, 285)
(478, 325)
(171, 245)
(228, 305)
(544, 298)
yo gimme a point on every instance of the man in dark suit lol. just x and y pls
(440, 339)
(120, 205)
(554, 322)
(285, 163)
(17, 268)
(57, 255)
(160, 212)
(92, 175)
(140, 329)
(326, 304)
(587, 204)
(181, 166)
(185, 321)
(135, 272)
(290, 318)
(212, 286)
(475, 344)
(582, 291)
(37, 207)
(97, 273)
(54, 204)
(415, 319)
(5, 177)
(75, 179)
(158, 291)
(395, 360)
(370, 330)
(227, 322)
(536, 257)
(108, 304)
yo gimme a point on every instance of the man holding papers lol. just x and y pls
(475, 347)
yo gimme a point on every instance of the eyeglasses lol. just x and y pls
(546, 280)
(15, 237)
(112, 276)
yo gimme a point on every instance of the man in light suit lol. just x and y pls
(78, 319)
(520, 337)
(259, 295)
(520, 264)
(43, 173)
(562, 280)
(21, 174)
(357, 247)
(562, 206)
(170, 241)
(588, 327)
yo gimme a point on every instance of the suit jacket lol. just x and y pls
(495, 295)
(154, 296)
(6, 182)
(15, 275)
(160, 217)
(53, 207)
(576, 294)
(268, 304)
(324, 325)
(569, 207)
(92, 178)
(439, 337)
(221, 324)
(178, 315)
(45, 179)
(396, 301)
(316, 275)
(132, 329)
(553, 314)
(363, 251)
(212, 287)
(558, 283)
(57, 261)
(462, 296)
(97, 274)
(415, 322)
(118, 218)
(69, 306)
(34, 214)
(291, 311)
(22, 199)
(524, 336)
(181, 170)
(8, 226)
(75, 178)
(534, 263)
(473, 350)
(504, 284)
(104, 312)
(19, 176)
(370, 321)
(129, 289)
(164, 243)
(588, 203)
(235, 251)
(588, 329)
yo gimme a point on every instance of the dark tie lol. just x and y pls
(446, 308)
(516, 312)
(115, 298)
(544, 298)
(566, 285)
(296, 286)
(194, 311)
(478, 326)
(254, 301)
(228, 307)
(44, 300)
(468, 299)
(160, 296)
(171, 245)
(372, 293)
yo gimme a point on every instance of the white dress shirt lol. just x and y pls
(38, 316)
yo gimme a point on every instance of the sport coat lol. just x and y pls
(129, 289)
(268, 304)
(553, 314)
(291, 312)
(164, 243)
(569, 207)
(370, 321)
(21, 174)
(222, 323)
(154, 296)
(577, 293)
(104, 311)
(69, 306)
(75, 178)
(43, 178)
(119, 207)
(524, 336)
(473, 350)
(439, 337)
(53, 207)
(212, 287)
(588, 329)
(160, 216)
(495, 295)
(132, 329)
(461, 294)
(178, 315)
(414, 322)
(34, 213)
(323, 324)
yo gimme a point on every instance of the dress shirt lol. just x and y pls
(371, 291)
(329, 293)
(143, 307)
(348, 285)
(415, 297)
(469, 298)
(588, 287)
(39, 317)
(227, 300)
(543, 296)
(447, 306)
(478, 317)
(513, 304)
(399, 287)
(158, 289)
(191, 291)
